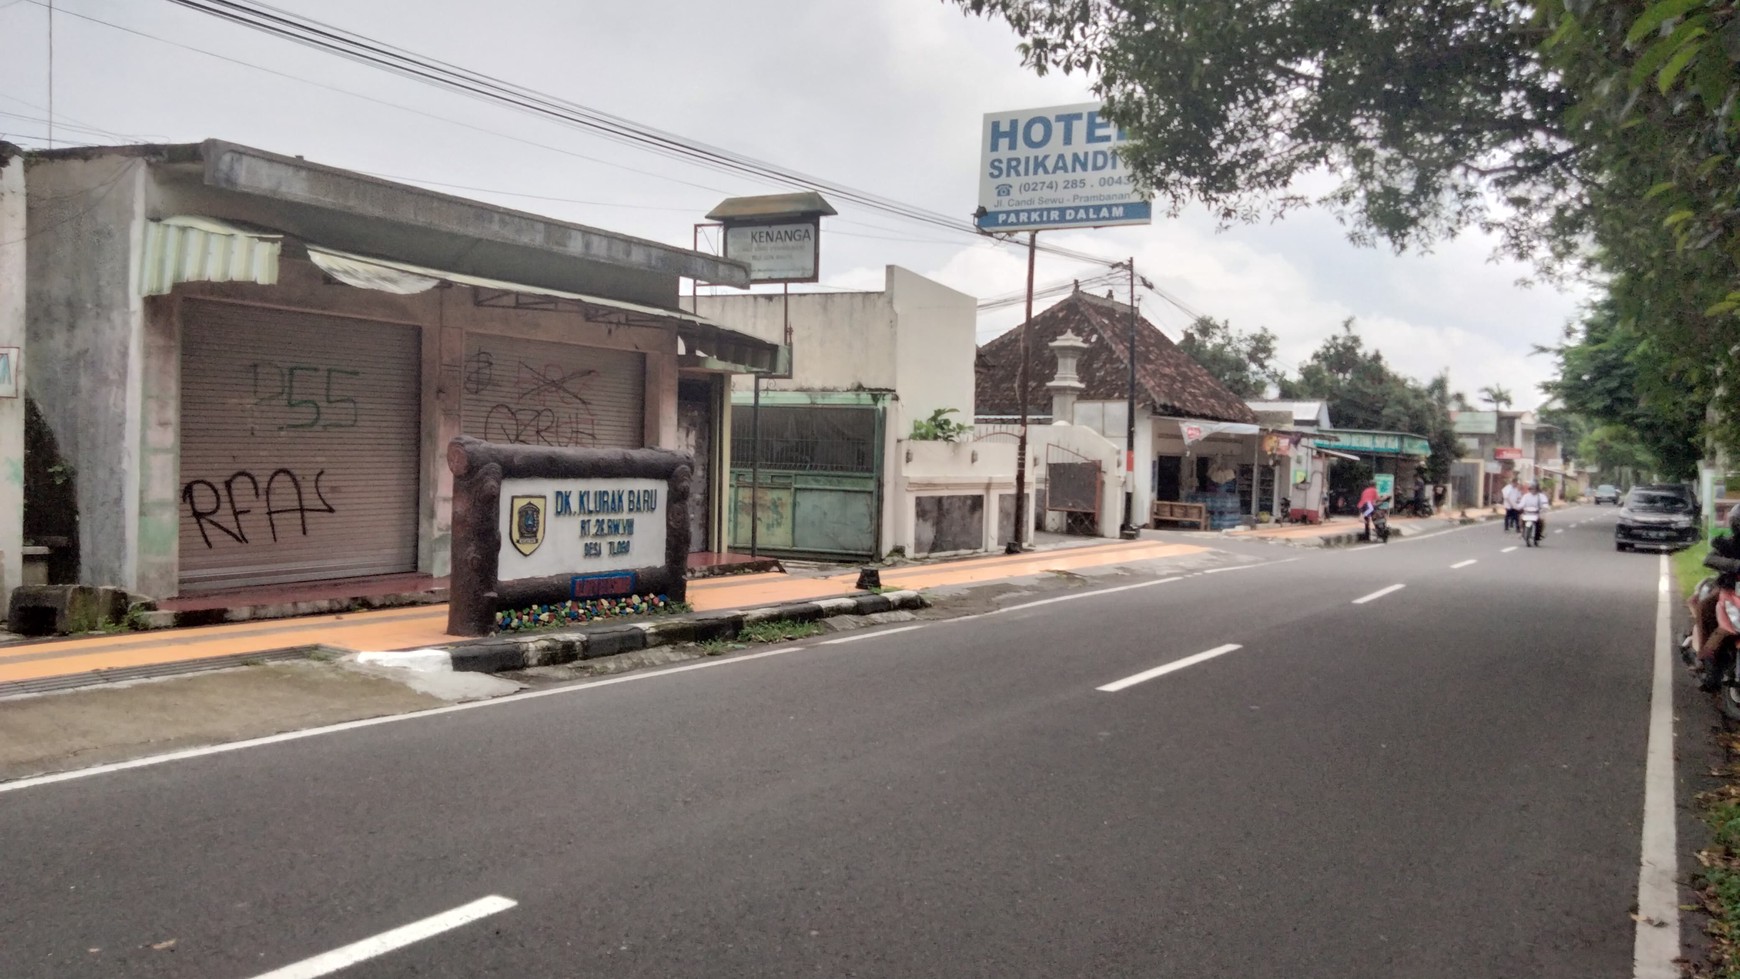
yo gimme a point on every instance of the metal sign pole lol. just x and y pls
(1019, 544)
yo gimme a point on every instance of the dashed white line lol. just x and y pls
(1381, 592)
(388, 941)
(1508, 549)
(1463, 564)
(1159, 671)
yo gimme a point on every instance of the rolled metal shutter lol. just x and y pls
(533, 392)
(300, 440)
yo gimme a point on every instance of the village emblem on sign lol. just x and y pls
(526, 523)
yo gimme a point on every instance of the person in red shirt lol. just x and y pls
(1368, 503)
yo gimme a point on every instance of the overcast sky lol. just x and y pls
(886, 96)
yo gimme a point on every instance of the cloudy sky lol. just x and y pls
(885, 96)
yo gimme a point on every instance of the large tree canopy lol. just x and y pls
(1244, 362)
(1416, 107)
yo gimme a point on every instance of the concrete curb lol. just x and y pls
(518, 652)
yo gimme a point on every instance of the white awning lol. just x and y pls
(1339, 455)
(189, 248)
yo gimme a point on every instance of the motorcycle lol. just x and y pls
(1415, 508)
(1722, 664)
(1380, 527)
(1531, 529)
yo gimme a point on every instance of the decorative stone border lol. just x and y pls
(519, 651)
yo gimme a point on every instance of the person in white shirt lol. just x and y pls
(1512, 494)
(1537, 503)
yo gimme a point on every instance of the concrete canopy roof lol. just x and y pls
(369, 215)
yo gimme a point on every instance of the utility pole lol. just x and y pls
(1128, 531)
(1019, 544)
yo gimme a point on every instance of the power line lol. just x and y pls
(363, 49)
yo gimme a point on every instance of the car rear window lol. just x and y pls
(1662, 502)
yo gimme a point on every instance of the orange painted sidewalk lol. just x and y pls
(413, 628)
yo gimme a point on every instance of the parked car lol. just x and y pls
(1658, 516)
(1606, 493)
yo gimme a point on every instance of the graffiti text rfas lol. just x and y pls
(1056, 167)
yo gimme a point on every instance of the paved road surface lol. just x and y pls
(1445, 781)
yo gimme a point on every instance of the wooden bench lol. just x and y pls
(1179, 513)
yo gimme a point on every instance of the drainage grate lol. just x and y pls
(51, 684)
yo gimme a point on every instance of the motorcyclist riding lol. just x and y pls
(1724, 559)
(1535, 502)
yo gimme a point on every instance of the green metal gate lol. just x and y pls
(821, 474)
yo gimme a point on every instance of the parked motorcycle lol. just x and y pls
(1415, 508)
(1721, 665)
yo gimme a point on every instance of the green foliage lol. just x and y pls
(1427, 112)
(1497, 397)
(939, 427)
(778, 630)
(1364, 393)
(1243, 362)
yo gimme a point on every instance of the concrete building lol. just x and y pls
(1496, 445)
(841, 475)
(248, 367)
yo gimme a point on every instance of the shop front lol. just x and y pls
(298, 345)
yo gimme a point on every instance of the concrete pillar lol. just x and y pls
(1066, 386)
(12, 277)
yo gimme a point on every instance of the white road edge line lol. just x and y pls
(1463, 564)
(36, 781)
(1381, 592)
(388, 941)
(1159, 671)
(872, 635)
(1658, 905)
(1508, 549)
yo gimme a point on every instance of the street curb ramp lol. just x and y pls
(504, 653)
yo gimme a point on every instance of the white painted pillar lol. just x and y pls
(12, 279)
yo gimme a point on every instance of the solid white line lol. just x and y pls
(387, 941)
(872, 635)
(518, 698)
(1158, 671)
(1559, 531)
(1508, 549)
(1658, 905)
(1381, 592)
(1463, 564)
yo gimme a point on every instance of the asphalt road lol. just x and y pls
(1443, 781)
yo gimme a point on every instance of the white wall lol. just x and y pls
(935, 348)
(983, 469)
(841, 341)
(12, 278)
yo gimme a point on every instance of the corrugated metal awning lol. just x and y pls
(198, 249)
(718, 346)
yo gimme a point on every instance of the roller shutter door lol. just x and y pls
(533, 392)
(299, 446)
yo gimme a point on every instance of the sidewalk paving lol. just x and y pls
(1343, 530)
(425, 626)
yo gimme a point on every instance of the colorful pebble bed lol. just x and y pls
(579, 613)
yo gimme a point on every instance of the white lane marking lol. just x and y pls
(1508, 549)
(518, 698)
(1559, 531)
(877, 634)
(1243, 567)
(1159, 671)
(1658, 905)
(1381, 592)
(218, 749)
(1463, 564)
(388, 941)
